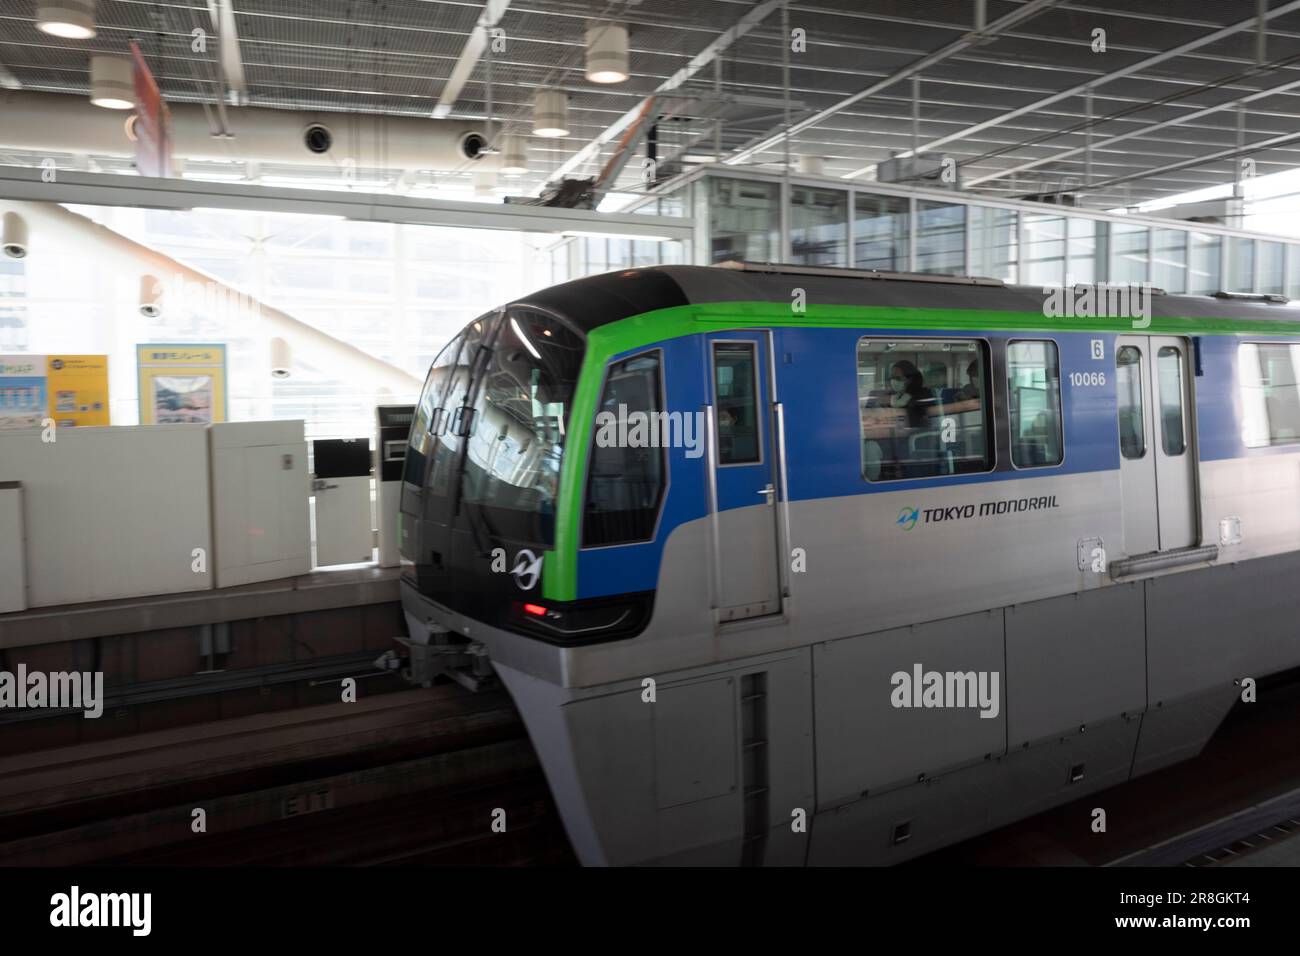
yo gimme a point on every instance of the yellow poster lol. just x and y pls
(78, 389)
(181, 383)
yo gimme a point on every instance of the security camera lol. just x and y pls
(474, 146)
(317, 138)
(15, 236)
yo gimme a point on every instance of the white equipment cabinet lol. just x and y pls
(259, 501)
(13, 561)
(341, 484)
(111, 512)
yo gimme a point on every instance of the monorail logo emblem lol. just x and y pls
(908, 518)
(527, 569)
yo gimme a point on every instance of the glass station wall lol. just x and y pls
(742, 218)
(381, 294)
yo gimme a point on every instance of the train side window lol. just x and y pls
(1169, 375)
(625, 480)
(923, 407)
(1128, 386)
(1270, 396)
(735, 384)
(1034, 404)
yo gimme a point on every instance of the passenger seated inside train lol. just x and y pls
(968, 397)
(910, 393)
(737, 436)
(971, 390)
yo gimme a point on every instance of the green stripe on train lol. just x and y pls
(560, 569)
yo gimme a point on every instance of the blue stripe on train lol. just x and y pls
(817, 382)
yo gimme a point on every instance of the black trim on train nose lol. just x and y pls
(579, 623)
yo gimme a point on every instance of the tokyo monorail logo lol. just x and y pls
(909, 518)
(527, 569)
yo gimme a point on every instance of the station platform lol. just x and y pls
(317, 591)
(181, 659)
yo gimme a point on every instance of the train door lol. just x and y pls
(744, 470)
(1156, 443)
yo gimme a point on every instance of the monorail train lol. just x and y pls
(811, 566)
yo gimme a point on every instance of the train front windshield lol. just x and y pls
(517, 432)
(490, 430)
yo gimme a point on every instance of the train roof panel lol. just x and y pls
(609, 297)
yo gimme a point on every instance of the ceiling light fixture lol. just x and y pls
(551, 113)
(70, 19)
(812, 165)
(514, 155)
(607, 53)
(112, 84)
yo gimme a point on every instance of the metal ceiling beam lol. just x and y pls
(1231, 153)
(1162, 17)
(1143, 131)
(7, 80)
(1019, 15)
(232, 65)
(475, 44)
(107, 189)
(1205, 40)
(698, 62)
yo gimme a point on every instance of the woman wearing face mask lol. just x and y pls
(909, 393)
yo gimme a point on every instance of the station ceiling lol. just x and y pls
(1186, 85)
